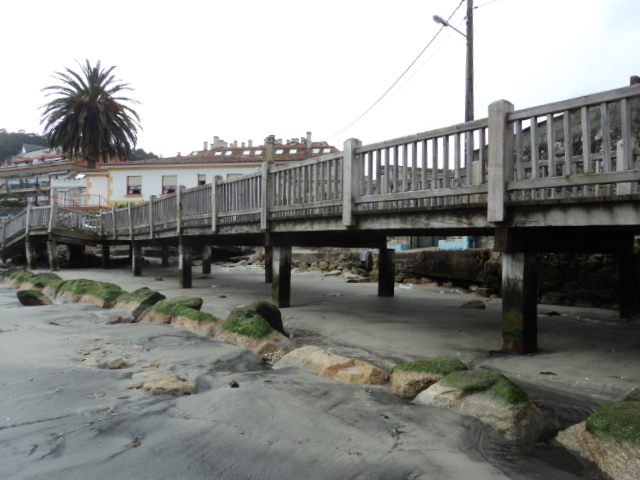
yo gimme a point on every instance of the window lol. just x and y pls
(228, 152)
(202, 179)
(326, 150)
(219, 152)
(258, 152)
(293, 150)
(134, 185)
(169, 184)
(279, 151)
(247, 152)
(315, 150)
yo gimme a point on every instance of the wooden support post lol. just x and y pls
(268, 264)
(52, 252)
(386, 271)
(30, 251)
(352, 176)
(268, 258)
(4, 230)
(165, 256)
(281, 286)
(519, 303)
(185, 263)
(206, 259)
(136, 259)
(500, 162)
(106, 257)
(179, 208)
(130, 216)
(625, 162)
(629, 286)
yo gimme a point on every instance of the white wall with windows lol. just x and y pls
(137, 183)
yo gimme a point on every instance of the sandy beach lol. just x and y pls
(61, 417)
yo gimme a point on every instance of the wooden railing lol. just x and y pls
(564, 151)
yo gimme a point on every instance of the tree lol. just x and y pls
(87, 117)
(140, 154)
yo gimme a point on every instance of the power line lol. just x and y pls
(400, 77)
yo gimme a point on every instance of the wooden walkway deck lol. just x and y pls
(561, 177)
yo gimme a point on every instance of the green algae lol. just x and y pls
(246, 321)
(480, 381)
(434, 365)
(619, 421)
(187, 307)
(108, 292)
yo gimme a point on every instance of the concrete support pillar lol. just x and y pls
(519, 303)
(206, 259)
(75, 252)
(52, 252)
(281, 286)
(106, 257)
(629, 285)
(136, 259)
(185, 263)
(30, 252)
(268, 264)
(386, 272)
(165, 256)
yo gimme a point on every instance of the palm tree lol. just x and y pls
(87, 117)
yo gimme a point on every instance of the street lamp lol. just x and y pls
(468, 108)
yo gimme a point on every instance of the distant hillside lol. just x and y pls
(11, 143)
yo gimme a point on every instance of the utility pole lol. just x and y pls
(468, 109)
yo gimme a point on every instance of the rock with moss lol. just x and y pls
(327, 364)
(409, 379)
(245, 327)
(182, 312)
(490, 396)
(32, 298)
(136, 302)
(610, 438)
(270, 313)
(45, 282)
(103, 294)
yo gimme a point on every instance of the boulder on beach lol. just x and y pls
(138, 301)
(491, 397)
(270, 313)
(409, 379)
(609, 438)
(32, 298)
(247, 328)
(182, 312)
(327, 364)
(159, 382)
(103, 294)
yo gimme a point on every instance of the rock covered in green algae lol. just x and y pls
(103, 294)
(610, 438)
(270, 313)
(138, 301)
(409, 379)
(490, 396)
(619, 421)
(34, 281)
(32, 298)
(245, 327)
(165, 311)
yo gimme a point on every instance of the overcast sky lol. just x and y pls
(247, 69)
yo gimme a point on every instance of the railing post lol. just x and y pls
(179, 207)
(130, 221)
(624, 162)
(152, 223)
(499, 159)
(215, 203)
(52, 217)
(4, 230)
(351, 177)
(266, 195)
(27, 225)
(113, 222)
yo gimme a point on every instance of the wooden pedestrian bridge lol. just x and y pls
(556, 178)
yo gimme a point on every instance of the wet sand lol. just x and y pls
(62, 418)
